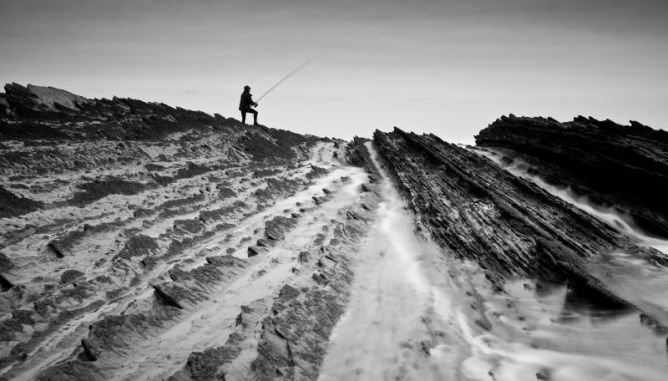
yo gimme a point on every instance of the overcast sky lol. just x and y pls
(449, 67)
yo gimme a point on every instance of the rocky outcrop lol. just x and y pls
(12, 205)
(285, 334)
(508, 225)
(41, 98)
(45, 113)
(357, 154)
(620, 167)
(103, 200)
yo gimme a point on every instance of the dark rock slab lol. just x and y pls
(98, 189)
(263, 243)
(278, 188)
(303, 257)
(316, 172)
(5, 263)
(12, 205)
(192, 226)
(138, 246)
(170, 295)
(56, 249)
(90, 351)
(5, 284)
(276, 227)
(358, 155)
(72, 371)
(204, 365)
(625, 167)
(226, 260)
(225, 192)
(253, 251)
(69, 276)
(508, 225)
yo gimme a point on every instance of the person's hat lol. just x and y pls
(246, 87)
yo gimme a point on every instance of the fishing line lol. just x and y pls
(290, 74)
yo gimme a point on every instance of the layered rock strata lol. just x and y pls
(120, 218)
(508, 225)
(624, 168)
(141, 241)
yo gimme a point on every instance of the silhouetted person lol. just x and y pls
(246, 105)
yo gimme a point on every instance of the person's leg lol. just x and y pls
(254, 116)
(243, 117)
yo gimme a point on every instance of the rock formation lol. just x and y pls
(142, 241)
(508, 225)
(623, 167)
(104, 199)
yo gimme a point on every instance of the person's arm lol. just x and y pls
(250, 98)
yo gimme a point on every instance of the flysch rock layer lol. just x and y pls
(142, 241)
(620, 167)
(123, 222)
(508, 225)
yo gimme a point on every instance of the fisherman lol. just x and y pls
(245, 105)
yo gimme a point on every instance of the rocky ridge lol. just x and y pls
(620, 167)
(508, 225)
(124, 214)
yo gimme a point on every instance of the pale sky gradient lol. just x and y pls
(449, 67)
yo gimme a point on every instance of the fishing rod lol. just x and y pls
(290, 74)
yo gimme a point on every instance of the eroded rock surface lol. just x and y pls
(141, 241)
(122, 219)
(619, 167)
(507, 224)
